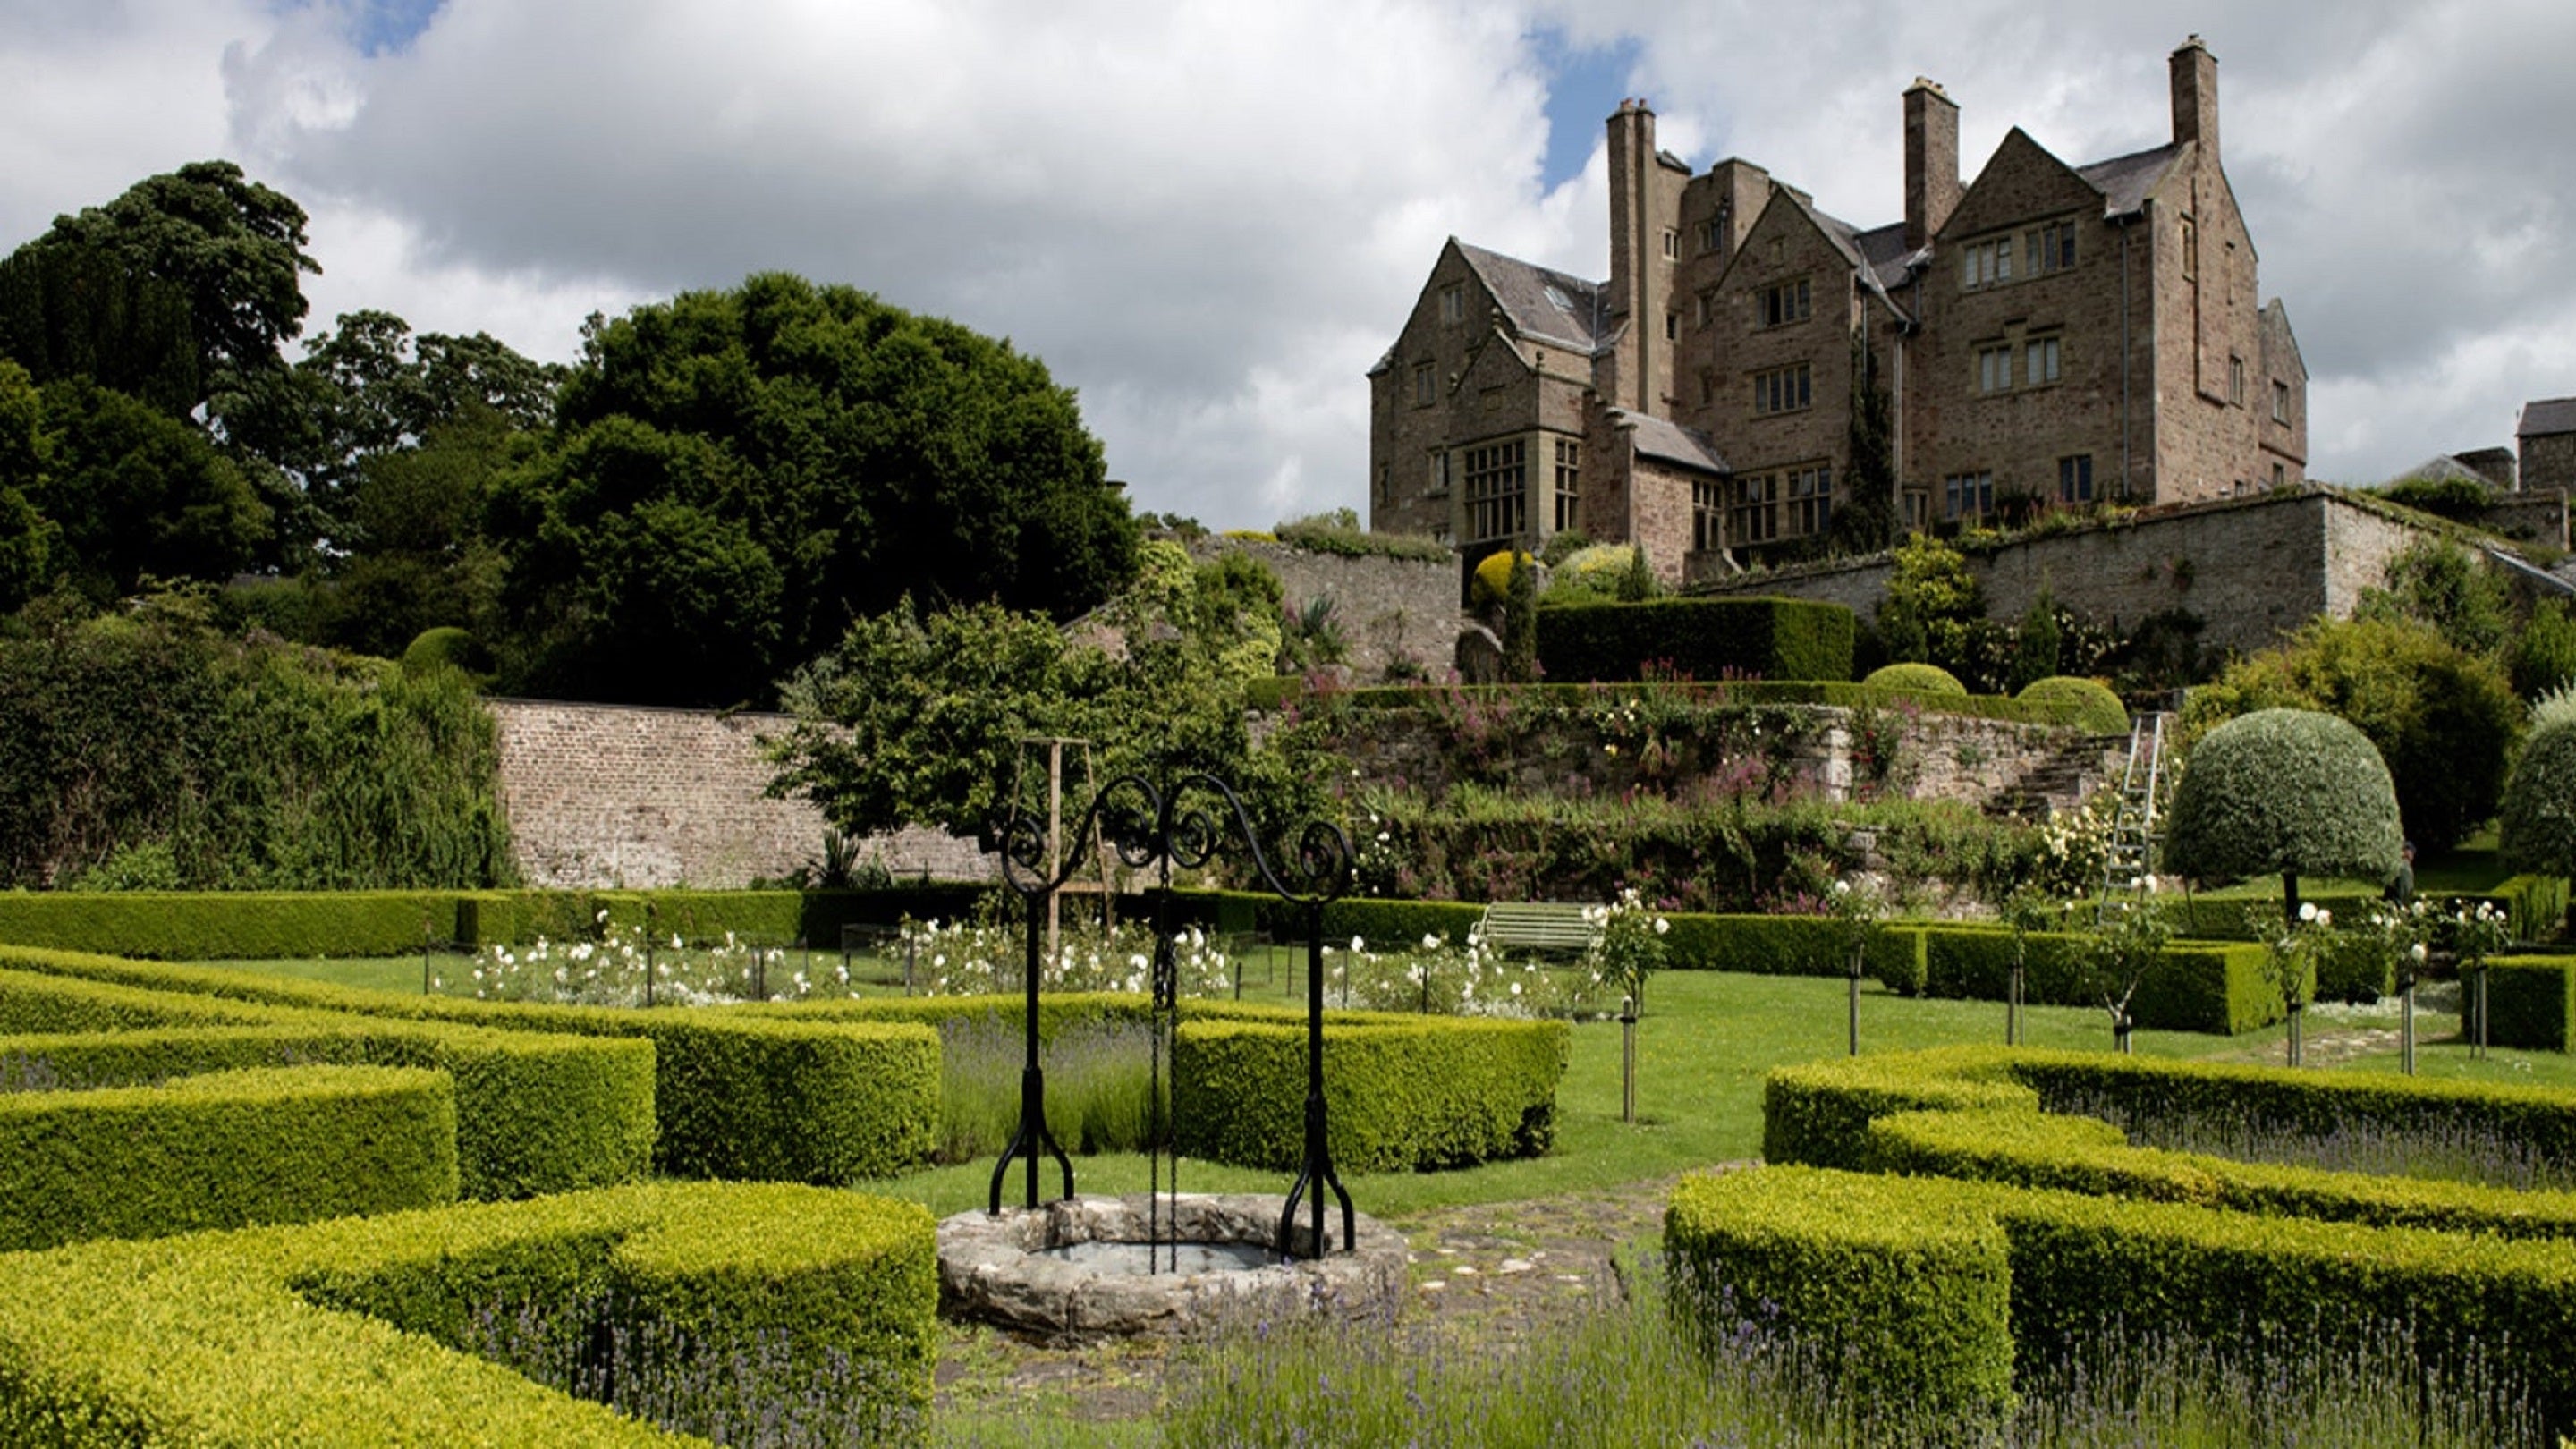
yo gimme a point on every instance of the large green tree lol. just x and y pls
(738, 474)
(134, 493)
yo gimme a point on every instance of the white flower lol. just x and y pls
(1430, 942)
(2418, 952)
(1662, 925)
(2307, 910)
(2325, 918)
(1358, 945)
(1516, 988)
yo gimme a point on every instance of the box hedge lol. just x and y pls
(1702, 638)
(1402, 1093)
(1839, 694)
(534, 1113)
(2207, 986)
(2531, 1000)
(1895, 1278)
(732, 1091)
(726, 1307)
(227, 1149)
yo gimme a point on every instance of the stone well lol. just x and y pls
(1075, 1271)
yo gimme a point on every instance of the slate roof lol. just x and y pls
(2124, 181)
(1668, 441)
(1581, 322)
(2437, 468)
(2545, 417)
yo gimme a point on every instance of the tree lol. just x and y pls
(2439, 583)
(1520, 621)
(867, 454)
(2284, 792)
(28, 540)
(378, 389)
(137, 493)
(1932, 605)
(2035, 644)
(1866, 522)
(2443, 720)
(2537, 830)
(2544, 653)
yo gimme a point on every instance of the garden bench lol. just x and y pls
(1539, 926)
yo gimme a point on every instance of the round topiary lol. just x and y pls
(2287, 792)
(2537, 828)
(443, 648)
(2088, 704)
(1915, 679)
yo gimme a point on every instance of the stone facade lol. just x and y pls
(2050, 331)
(2253, 569)
(2547, 438)
(602, 795)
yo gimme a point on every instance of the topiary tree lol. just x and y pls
(1915, 679)
(2089, 704)
(2287, 792)
(2537, 830)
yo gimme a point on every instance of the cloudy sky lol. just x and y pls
(1211, 218)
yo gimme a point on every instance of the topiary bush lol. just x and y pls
(445, 648)
(2537, 830)
(2090, 704)
(2284, 792)
(1915, 679)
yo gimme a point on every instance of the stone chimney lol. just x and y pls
(1931, 160)
(1634, 246)
(2195, 96)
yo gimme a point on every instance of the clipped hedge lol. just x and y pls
(227, 1149)
(2208, 986)
(534, 1113)
(733, 1091)
(2531, 1001)
(1698, 637)
(1840, 695)
(1895, 1277)
(723, 1306)
(1402, 1093)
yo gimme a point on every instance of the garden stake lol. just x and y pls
(2012, 1004)
(2406, 1023)
(1855, 1000)
(1628, 1059)
(424, 954)
(648, 953)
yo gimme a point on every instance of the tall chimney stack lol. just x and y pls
(1632, 157)
(2195, 96)
(1931, 160)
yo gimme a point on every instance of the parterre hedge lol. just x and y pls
(726, 1309)
(1702, 638)
(2210, 986)
(1401, 1093)
(1894, 1280)
(226, 1149)
(733, 1092)
(534, 1113)
(2531, 1001)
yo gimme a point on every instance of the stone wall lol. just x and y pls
(1990, 765)
(1389, 609)
(602, 795)
(2252, 568)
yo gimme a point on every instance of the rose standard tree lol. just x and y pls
(2284, 792)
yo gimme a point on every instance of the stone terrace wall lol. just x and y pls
(2252, 568)
(1389, 608)
(602, 795)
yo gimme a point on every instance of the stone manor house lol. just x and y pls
(2051, 331)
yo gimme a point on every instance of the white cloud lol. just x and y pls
(1211, 219)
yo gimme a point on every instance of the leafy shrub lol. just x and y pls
(2455, 497)
(2284, 792)
(1698, 638)
(2091, 705)
(1587, 575)
(723, 1310)
(445, 648)
(251, 764)
(2537, 831)
(2443, 720)
(1492, 582)
(2438, 583)
(1402, 1093)
(1914, 679)
(2544, 653)
(226, 1149)
(2531, 1002)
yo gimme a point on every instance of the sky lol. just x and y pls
(1211, 219)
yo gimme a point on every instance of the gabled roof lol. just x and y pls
(2546, 417)
(1668, 441)
(2124, 181)
(2437, 468)
(1543, 305)
(1878, 256)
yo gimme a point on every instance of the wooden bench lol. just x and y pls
(1550, 926)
